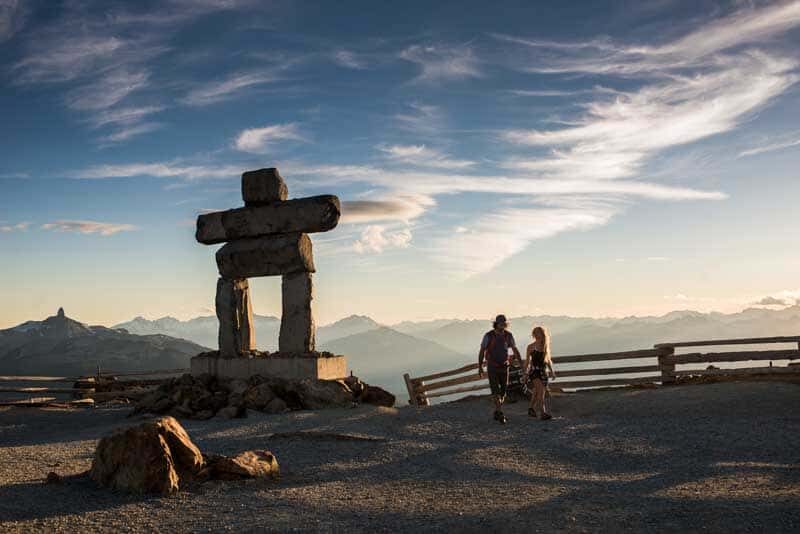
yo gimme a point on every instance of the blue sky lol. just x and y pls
(597, 158)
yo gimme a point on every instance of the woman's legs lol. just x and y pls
(538, 395)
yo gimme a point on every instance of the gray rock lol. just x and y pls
(303, 215)
(319, 394)
(263, 186)
(231, 412)
(235, 314)
(266, 256)
(297, 320)
(275, 406)
(259, 397)
(237, 386)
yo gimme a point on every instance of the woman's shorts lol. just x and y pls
(498, 380)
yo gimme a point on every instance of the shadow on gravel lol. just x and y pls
(37, 500)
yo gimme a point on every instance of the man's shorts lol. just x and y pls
(498, 380)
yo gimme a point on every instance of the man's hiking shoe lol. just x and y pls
(531, 412)
(546, 416)
(500, 418)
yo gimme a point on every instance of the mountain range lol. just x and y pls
(60, 345)
(380, 354)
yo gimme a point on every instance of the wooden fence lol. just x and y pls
(660, 369)
(102, 386)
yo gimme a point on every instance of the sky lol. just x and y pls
(578, 158)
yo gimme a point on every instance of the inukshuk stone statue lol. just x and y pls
(267, 237)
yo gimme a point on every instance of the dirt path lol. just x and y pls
(721, 457)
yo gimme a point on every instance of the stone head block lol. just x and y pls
(266, 256)
(263, 186)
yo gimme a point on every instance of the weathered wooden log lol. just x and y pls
(306, 215)
(263, 187)
(647, 353)
(297, 319)
(235, 314)
(743, 341)
(466, 368)
(739, 356)
(599, 371)
(429, 386)
(266, 256)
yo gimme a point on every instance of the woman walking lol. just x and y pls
(538, 365)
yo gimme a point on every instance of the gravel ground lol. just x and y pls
(720, 457)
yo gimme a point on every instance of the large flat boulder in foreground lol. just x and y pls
(159, 457)
(266, 256)
(306, 215)
(149, 458)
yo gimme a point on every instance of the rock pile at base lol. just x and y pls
(159, 457)
(206, 396)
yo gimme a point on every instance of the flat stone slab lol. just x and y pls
(266, 256)
(289, 367)
(304, 215)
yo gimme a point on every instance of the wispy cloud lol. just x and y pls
(423, 156)
(8, 228)
(123, 116)
(159, 170)
(259, 140)
(696, 48)
(769, 147)
(88, 227)
(12, 16)
(421, 118)
(129, 132)
(439, 63)
(107, 90)
(377, 238)
(397, 208)
(218, 91)
(484, 244)
(348, 59)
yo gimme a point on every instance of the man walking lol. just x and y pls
(497, 348)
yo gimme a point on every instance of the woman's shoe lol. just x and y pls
(546, 416)
(531, 412)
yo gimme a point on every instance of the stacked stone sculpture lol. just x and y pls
(267, 237)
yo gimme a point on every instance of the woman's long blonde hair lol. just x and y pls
(540, 332)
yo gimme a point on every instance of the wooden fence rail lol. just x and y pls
(661, 371)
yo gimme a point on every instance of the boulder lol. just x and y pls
(263, 187)
(235, 313)
(266, 256)
(377, 396)
(231, 411)
(249, 464)
(297, 332)
(317, 394)
(276, 406)
(302, 215)
(259, 397)
(149, 458)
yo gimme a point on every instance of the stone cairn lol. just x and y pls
(267, 237)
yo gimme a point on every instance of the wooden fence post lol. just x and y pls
(667, 367)
(412, 394)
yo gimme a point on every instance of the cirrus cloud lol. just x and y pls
(88, 227)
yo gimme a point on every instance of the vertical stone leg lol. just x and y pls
(235, 314)
(297, 320)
